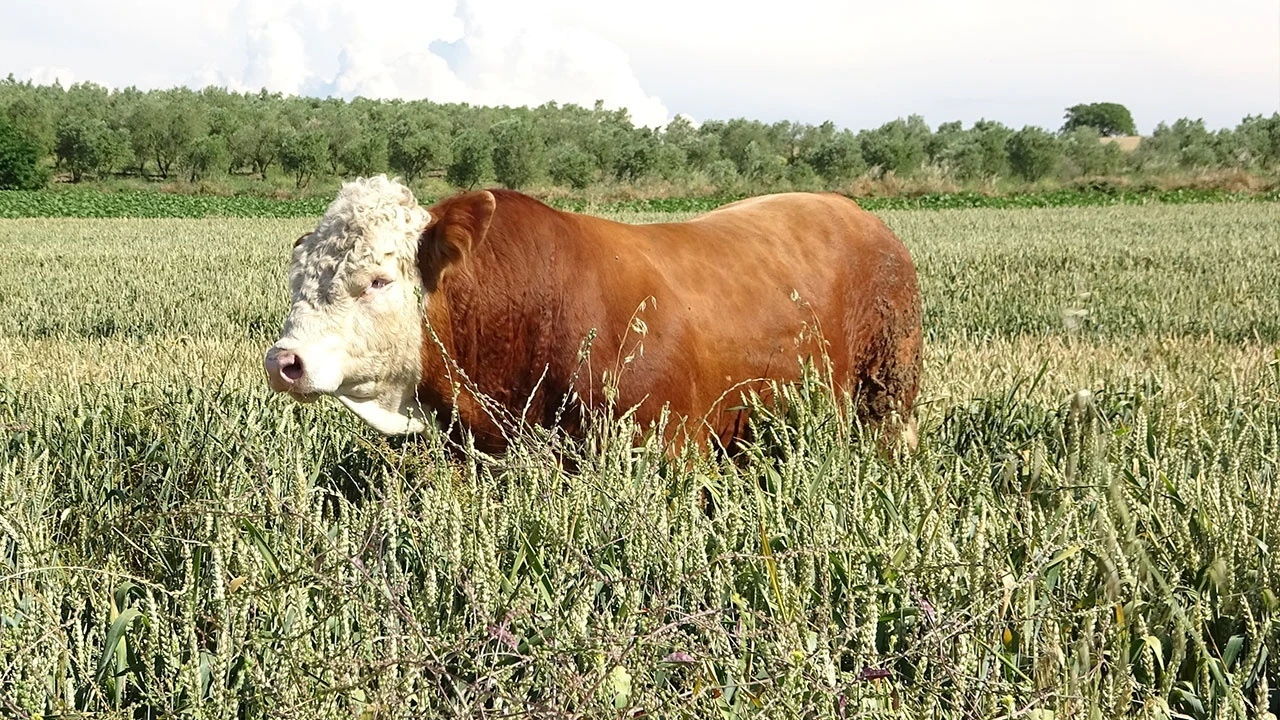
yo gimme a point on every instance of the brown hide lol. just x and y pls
(514, 288)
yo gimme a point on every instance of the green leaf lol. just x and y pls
(1157, 649)
(1063, 555)
(1215, 669)
(260, 542)
(122, 593)
(1234, 646)
(114, 636)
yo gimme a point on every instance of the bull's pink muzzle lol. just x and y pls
(284, 369)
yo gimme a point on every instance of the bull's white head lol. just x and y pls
(354, 329)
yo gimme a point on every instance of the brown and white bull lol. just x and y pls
(405, 313)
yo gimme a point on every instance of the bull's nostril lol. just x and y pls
(291, 367)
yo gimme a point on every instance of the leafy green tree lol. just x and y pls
(364, 155)
(800, 175)
(30, 112)
(835, 156)
(671, 162)
(1230, 151)
(20, 160)
(1087, 155)
(1258, 139)
(763, 165)
(141, 120)
(303, 154)
(224, 111)
(179, 121)
(572, 166)
(87, 145)
(1109, 119)
(472, 159)
(87, 100)
(517, 153)
(978, 153)
(723, 174)
(680, 133)
(1195, 144)
(559, 125)
(737, 135)
(1186, 144)
(341, 130)
(636, 157)
(90, 129)
(787, 138)
(1033, 153)
(604, 141)
(225, 114)
(942, 143)
(256, 142)
(897, 146)
(991, 140)
(703, 150)
(418, 144)
(962, 158)
(205, 156)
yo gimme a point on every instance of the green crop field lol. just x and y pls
(1085, 531)
(91, 203)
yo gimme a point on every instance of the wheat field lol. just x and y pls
(1085, 531)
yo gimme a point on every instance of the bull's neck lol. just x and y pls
(462, 321)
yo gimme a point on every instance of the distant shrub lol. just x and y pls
(472, 159)
(20, 167)
(517, 153)
(572, 166)
(671, 162)
(1106, 118)
(303, 155)
(1086, 154)
(1259, 140)
(87, 145)
(418, 151)
(636, 155)
(1187, 141)
(801, 176)
(980, 152)
(365, 155)
(723, 174)
(762, 166)
(897, 146)
(1033, 153)
(836, 157)
(205, 156)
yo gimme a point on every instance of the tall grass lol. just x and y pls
(174, 541)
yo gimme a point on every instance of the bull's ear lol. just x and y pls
(456, 226)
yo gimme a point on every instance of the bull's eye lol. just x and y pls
(379, 283)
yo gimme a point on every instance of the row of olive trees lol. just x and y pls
(88, 130)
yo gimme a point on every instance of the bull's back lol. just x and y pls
(744, 292)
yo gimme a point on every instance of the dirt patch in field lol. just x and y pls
(1127, 143)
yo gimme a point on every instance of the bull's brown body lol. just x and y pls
(730, 299)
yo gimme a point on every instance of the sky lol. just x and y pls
(858, 64)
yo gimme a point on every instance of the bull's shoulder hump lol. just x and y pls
(782, 204)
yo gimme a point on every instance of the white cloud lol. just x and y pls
(513, 55)
(45, 75)
(276, 57)
(481, 52)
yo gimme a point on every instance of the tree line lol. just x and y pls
(88, 131)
